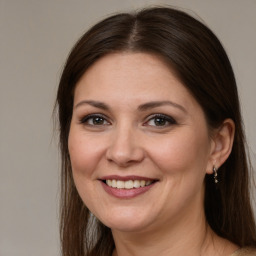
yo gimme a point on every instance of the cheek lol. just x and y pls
(181, 153)
(182, 160)
(85, 153)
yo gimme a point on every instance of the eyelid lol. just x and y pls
(84, 119)
(168, 118)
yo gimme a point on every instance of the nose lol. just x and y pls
(125, 148)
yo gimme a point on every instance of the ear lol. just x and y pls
(221, 145)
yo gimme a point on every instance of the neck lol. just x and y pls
(189, 237)
(178, 238)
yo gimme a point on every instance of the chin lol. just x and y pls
(127, 222)
(128, 227)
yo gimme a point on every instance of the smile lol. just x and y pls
(127, 187)
(129, 184)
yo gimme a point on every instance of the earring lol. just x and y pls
(215, 174)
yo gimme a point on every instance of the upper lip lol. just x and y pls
(125, 178)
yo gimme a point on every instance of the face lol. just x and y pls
(138, 143)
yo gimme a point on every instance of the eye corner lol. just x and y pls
(159, 121)
(94, 120)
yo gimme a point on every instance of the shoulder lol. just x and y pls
(245, 252)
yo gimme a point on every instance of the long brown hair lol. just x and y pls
(200, 62)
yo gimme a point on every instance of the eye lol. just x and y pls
(94, 120)
(160, 120)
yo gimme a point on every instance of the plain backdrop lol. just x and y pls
(35, 38)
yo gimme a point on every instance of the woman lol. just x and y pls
(153, 155)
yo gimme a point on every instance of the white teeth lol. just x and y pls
(109, 182)
(142, 183)
(120, 184)
(136, 184)
(129, 184)
(148, 182)
(113, 185)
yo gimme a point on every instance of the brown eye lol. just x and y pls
(97, 121)
(160, 120)
(94, 120)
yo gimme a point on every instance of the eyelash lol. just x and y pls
(170, 120)
(162, 118)
(86, 119)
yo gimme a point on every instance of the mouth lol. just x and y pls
(129, 184)
(127, 187)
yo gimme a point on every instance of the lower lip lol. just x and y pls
(126, 193)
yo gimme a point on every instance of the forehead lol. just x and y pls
(132, 77)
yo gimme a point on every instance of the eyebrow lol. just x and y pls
(142, 107)
(155, 104)
(93, 103)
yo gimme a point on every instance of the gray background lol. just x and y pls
(36, 37)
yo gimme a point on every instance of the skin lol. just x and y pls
(127, 139)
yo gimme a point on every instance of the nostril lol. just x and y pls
(124, 156)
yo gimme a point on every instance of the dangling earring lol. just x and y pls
(215, 175)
